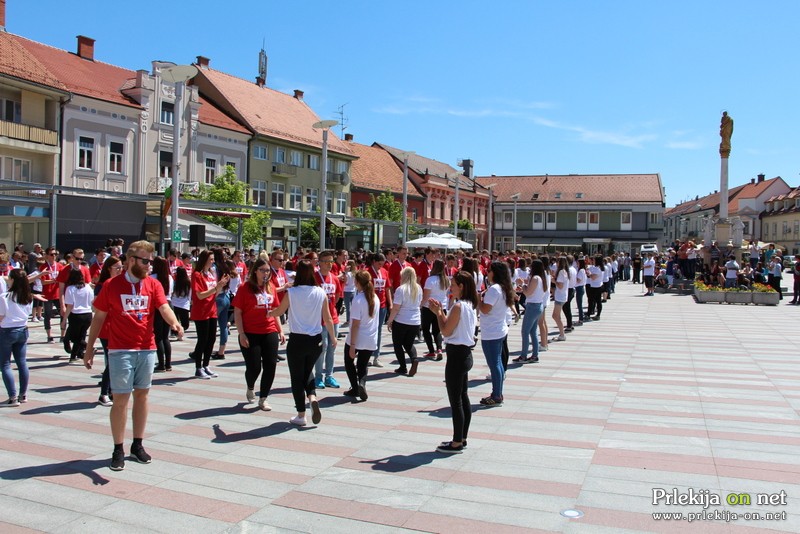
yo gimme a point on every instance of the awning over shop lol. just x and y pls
(216, 213)
(339, 222)
(214, 233)
(561, 242)
(601, 240)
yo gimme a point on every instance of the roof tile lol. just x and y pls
(376, 169)
(577, 188)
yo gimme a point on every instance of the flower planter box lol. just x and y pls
(770, 299)
(739, 297)
(709, 296)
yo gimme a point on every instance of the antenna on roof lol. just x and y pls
(262, 63)
(343, 120)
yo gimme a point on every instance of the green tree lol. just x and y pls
(309, 233)
(463, 224)
(228, 189)
(384, 208)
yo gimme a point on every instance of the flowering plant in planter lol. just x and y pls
(701, 286)
(763, 288)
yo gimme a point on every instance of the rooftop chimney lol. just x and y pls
(760, 178)
(203, 62)
(2, 15)
(260, 81)
(86, 47)
(348, 137)
(298, 94)
(752, 180)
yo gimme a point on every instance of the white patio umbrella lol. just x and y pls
(439, 241)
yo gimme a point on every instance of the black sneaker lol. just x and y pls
(463, 444)
(117, 460)
(140, 455)
(362, 390)
(449, 448)
(316, 414)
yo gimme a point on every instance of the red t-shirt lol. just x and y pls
(255, 309)
(333, 289)
(241, 270)
(379, 280)
(423, 269)
(173, 266)
(203, 309)
(131, 310)
(395, 269)
(94, 270)
(63, 275)
(51, 291)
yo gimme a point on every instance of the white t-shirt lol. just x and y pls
(573, 277)
(580, 278)
(540, 293)
(183, 303)
(409, 308)
(36, 285)
(732, 269)
(432, 284)
(14, 315)
(521, 274)
(493, 324)
(349, 282)
(607, 273)
(595, 282)
(367, 338)
(561, 293)
(81, 298)
(464, 333)
(649, 267)
(305, 309)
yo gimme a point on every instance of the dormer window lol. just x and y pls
(578, 195)
(535, 196)
(797, 203)
(557, 195)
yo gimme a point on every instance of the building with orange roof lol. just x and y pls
(592, 213)
(780, 221)
(284, 167)
(688, 219)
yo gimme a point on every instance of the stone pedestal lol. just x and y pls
(723, 231)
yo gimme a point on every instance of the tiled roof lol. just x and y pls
(577, 188)
(19, 62)
(270, 112)
(376, 169)
(213, 116)
(422, 166)
(94, 79)
(711, 201)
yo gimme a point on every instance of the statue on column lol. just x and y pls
(725, 132)
(738, 232)
(708, 232)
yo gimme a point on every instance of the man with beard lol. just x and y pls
(129, 304)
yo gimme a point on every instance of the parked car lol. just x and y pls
(647, 248)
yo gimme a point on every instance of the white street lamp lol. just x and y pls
(490, 215)
(324, 126)
(405, 193)
(515, 197)
(178, 75)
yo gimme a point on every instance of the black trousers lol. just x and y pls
(567, 308)
(163, 345)
(459, 362)
(775, 283)
(79, 324)
(52, 309)
(636, 275)
(206, 337)
(183, 317)
(430, 330)
(302, 352)
(403, 338)
(356, 369)
(595, 300)
(261, 358)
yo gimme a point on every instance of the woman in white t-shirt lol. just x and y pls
(594, 278)
(560, 296)
(458, 328)
(536, 293)
(496, 301)
(436, 287)
(349, 289)
(15, 306)
(308, 309)
(78, 298)
(362, 338)
(580, 289)
(405, 319)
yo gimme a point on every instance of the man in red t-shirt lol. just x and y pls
(76, 265)
(279, 278)
(129, 304)
(323, 368)
(174, 261)
(397, 267)
(100, 256)
(241, 268)
(380, 279)
(423, 268)
(52, 305)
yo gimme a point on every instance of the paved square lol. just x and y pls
(661, 393)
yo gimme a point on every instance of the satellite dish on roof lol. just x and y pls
(345, 178)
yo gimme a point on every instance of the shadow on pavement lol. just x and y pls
(83, 467)
(400, 462)
(239, 408)
(59, 408)
(278, 427)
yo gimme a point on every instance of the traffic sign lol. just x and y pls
(176, 236)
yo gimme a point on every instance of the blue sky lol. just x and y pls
(521, 87)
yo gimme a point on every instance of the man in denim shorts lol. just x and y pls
(128, 304)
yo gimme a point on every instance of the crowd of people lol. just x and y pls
(138, 304)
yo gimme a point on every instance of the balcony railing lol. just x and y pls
(25, 132)
(284, 169)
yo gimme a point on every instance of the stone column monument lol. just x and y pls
(723, 225)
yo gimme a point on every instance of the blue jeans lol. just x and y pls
(14, 341)
(530, 327)
(327, 355)
(381, 321)
(223, 307)
(348, 298)
(492, 351)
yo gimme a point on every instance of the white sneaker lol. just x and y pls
(297, 420)
(200, 373)
(377, 363)
(250, 395)
(105, 400)
(542, 348)
(210, 373)
(263, 405)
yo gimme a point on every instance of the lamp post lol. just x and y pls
(405, 194)
(514, 197)
(178, 75)
(490, 215)
(325, 126)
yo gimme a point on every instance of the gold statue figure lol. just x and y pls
(725, 132)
